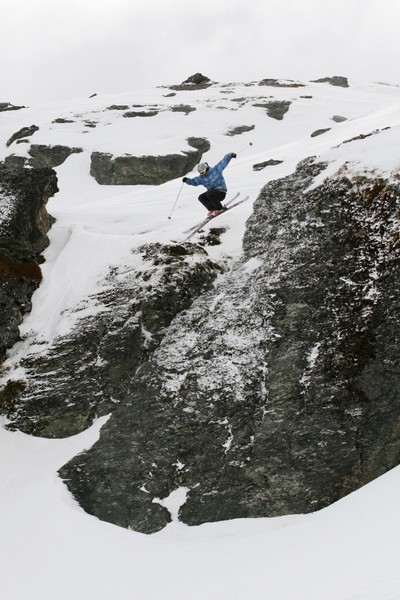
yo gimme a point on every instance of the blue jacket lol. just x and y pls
(213, 179)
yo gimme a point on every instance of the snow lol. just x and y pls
(49, 547)
(311, 360)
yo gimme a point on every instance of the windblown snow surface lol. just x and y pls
(50, 549)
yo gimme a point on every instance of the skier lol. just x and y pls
(213, 180)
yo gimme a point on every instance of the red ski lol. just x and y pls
(226, 206)
(200, 226)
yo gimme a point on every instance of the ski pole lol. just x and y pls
(245, 148)
(173, 208)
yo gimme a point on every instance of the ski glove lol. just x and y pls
(233, 155)
(184, 179)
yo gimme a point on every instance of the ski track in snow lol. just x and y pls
(50, 549)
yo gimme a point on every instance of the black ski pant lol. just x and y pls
(212, 199)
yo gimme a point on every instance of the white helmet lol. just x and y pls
(203, 168)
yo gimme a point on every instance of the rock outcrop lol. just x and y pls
(6, 106)
(272, 162)
(240, 129)
(194, 82)
(22, 133)
(271, 82)
(276, 109)
(42, 157)
(131, 114)
(337, 81)
(89, 371)
(146, 170)
(318, 132)
(24, 223)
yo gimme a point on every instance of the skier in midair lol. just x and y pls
(213, 180)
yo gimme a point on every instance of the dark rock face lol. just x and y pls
(146, 170)
(15, 162)
(24, 223)
(278, 391)
(89, 372)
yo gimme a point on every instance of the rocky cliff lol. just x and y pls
(24, 223)
(277, 391)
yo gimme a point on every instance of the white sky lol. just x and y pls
(62, 49)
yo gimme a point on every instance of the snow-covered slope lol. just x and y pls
(50, 548)
(103, 223)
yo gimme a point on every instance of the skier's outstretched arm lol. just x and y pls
(225, 161)
(193, 181)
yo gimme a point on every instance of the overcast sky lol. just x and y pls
(63, 49)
